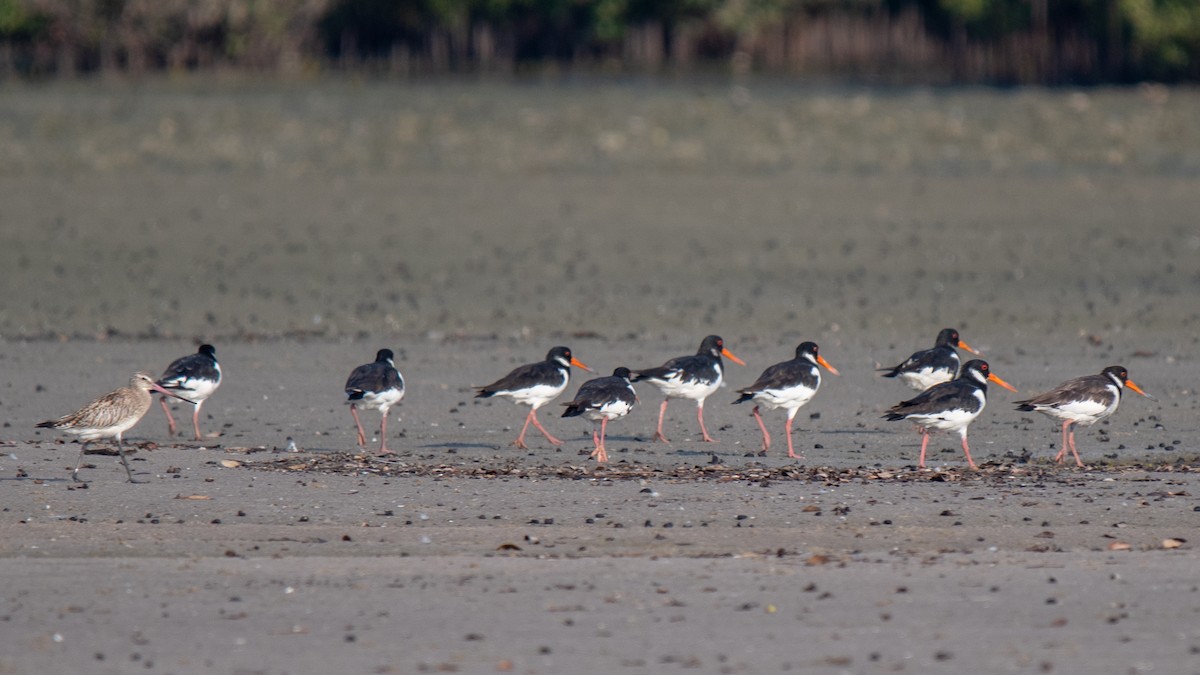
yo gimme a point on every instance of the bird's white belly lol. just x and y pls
(195, 389)
(536, 396)
(925, 378)
(1082, 413)
(95, 434)
(678, 387)
(791, 398)
(381, 400)
(609, 411)
(951, 420)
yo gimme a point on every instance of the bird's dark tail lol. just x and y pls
(355, 394)
(572, 410)
(893, 417)
(48, 424)
(888, 372)
(745, 397)
(484, 393)
(1024, 406)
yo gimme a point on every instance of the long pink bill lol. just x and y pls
(156, 387)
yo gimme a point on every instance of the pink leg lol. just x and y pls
(520, 442)
(700, 416)
(600, 453)
(967, 451)
(536, 423)
(170, 419)
(196, 422)
(1071, 438)
(1062, 450)
(924, 444)
(362, 437)
(383, 449)
(791, 452)
(766, 436)
(662, 412)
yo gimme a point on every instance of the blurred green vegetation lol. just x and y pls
(998, 41)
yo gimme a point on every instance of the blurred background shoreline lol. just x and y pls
(874, 41)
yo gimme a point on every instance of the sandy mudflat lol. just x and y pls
(1057, 232)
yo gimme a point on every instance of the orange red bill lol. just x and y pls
(729, 355)
(992, 378)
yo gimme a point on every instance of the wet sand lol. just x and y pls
(463, 554)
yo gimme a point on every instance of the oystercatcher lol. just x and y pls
(196, 376)
(1082, 401)
(950, 405)
(696, 377)
(603, 399)
(932, 366)
(535, 385)
(787, 385)
(110, 416)
(375, 385)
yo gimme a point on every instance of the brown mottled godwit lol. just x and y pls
(110, 416)
(196, 376)
(375, 385)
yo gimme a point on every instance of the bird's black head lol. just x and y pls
(807, 349)
(384, 355)
(622, 373)
(713, 344)
(560, 354)
(948, 336)
(208, 350)
(976, 369)
(1118, 372)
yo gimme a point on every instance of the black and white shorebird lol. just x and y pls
(787, 385)
(195, 377)
(931, 366)
(694, 377)
(375, 385)
(601, 400)
(110, 416)
(535, 385)
(950, 406)
(1082, 401)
